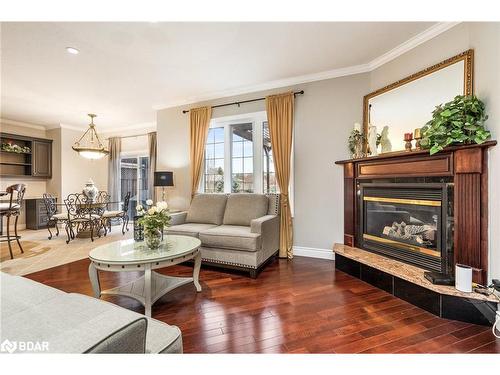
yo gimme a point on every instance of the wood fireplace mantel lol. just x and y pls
(468, 167)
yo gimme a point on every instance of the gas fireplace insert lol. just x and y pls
(409, 222)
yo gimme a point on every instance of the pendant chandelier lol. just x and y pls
(89, 145)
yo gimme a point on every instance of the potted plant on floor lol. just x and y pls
(460, 121)
(153, 220)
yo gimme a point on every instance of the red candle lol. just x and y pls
(408, 137)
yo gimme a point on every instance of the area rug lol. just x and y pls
(41, 253)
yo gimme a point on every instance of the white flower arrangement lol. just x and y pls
(162, 205)
(153, 218)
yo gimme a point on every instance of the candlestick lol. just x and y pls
(408, 138)
(418, 136)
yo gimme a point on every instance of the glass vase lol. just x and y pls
(153, 238)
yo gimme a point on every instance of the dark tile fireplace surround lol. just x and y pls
(426, 211)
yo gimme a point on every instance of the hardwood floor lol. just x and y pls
(299, 306)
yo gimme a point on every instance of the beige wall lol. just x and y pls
(484, 38)
(324, 116)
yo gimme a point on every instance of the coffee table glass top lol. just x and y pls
(130, 251)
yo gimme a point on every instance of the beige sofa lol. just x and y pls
(238, 231)
(75, 323)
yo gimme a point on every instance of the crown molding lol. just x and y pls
(399, 50)
(73, 127)
(411, 43)
(297, 80)
(22, 124)
(141, 126)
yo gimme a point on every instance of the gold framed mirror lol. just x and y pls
(407, 104)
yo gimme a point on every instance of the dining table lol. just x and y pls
(94, 208)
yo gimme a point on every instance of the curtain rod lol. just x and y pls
(244, 101)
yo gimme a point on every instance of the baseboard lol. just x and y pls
(313, 252)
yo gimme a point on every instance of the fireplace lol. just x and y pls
(409, 222)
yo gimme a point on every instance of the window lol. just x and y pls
(238, 156)
(134, 179)
(242, 172)
(214, 161)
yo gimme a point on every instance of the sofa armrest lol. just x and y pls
(258, 224)
(269, 228)
(178, 218)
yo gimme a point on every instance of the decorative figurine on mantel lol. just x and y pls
(372, 140)
(372, 136)
(408, 139)
(385, 143)
(356, 141)
(90, 190)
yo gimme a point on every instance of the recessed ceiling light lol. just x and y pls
(72, 50)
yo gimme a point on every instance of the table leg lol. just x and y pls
(196, 271)
(94, 280)
(147, 290)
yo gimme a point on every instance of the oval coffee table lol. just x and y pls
(128, 255)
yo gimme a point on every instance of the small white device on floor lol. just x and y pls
(463, 278)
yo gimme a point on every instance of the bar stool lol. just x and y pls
(13, 208)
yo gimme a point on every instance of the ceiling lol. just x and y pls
(126, 70)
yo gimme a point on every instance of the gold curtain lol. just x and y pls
(152, 148)
(280, 119)
(199, 119)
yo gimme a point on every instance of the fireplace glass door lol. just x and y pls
(404, 222)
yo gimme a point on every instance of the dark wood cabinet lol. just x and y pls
(34, 161)
(42, 159)
(36, 214)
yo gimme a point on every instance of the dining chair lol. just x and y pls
(102, 202)
(81, 215)
(54, 218)
(13, 209)
(121, 214)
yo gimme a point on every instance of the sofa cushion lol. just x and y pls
(241, 209)
(207, 209)
(189, 229)
(234, 237)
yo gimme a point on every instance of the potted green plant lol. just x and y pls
(153, 220)
(460, 121)
(16, 149)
